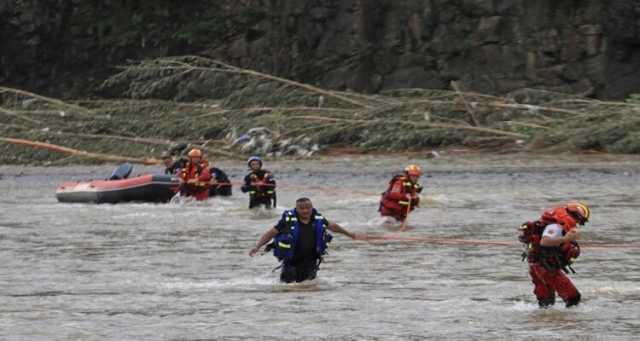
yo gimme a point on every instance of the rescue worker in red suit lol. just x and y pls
(552, 246)
(195, 178)
(403, 194)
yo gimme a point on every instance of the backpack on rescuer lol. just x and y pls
(407, 184)
(558, 257)
(390, 199)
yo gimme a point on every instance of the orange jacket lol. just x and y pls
(198, 172)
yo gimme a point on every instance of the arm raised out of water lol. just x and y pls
(266, 237)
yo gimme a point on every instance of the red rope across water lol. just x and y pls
(506, 243)
(323, 189)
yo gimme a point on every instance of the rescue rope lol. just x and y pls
(433, 240)
(324, 189)
(505, 243)
(403, 227)
(76, 152)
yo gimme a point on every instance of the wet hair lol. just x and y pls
(302, 200)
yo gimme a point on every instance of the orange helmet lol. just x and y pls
(413, 170)
(195, 152)
(579, 211)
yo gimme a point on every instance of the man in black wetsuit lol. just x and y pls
(260, 184)
(222, 185)
(300, 240)
(172, 166)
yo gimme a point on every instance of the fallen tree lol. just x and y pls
(156, 105)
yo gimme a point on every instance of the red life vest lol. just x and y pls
(399, 190)
(261, 184)
(557, 257)
(200, 172)
(562, 218)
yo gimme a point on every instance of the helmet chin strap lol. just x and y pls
(578, 219)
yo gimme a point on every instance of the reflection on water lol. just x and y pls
(181, 271)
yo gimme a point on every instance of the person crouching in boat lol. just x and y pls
(260, 184)
(403, 194)
(195, 178)
(300, 240)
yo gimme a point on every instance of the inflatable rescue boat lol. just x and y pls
(120, 188)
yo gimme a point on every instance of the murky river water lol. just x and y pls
(181, 272)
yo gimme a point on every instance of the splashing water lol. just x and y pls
(182, 271)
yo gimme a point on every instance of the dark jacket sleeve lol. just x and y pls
(281, 225)
(247, 184)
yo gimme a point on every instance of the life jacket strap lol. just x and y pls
(284, 245)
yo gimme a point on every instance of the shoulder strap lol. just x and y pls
(290, 218)
(407, 184)
(321, 234)
(393, 181)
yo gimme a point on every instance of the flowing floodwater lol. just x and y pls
(182, 272)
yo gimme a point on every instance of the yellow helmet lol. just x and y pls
(579, 211)
(195, 152)
(413, 170)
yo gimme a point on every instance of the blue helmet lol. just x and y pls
(254, 158)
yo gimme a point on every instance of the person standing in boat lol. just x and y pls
(299, 241)
(260, 184)
(195, 178)
(221, 185)
(172, 166)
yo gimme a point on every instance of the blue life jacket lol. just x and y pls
(284, 244)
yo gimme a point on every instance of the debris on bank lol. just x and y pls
(263, 141)
(230, 112)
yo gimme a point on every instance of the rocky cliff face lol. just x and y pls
(592, 47)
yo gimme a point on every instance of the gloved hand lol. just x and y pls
(570, 251)
(415, 201)
(523, 237)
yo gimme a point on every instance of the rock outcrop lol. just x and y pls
(590, 47)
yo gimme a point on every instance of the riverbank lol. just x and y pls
(438, 161)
